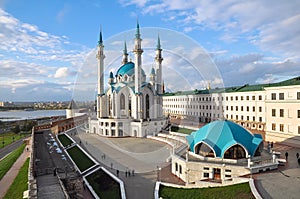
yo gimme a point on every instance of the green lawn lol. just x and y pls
(8, 161)
(104, 185)
(82, 161)
(9, 138)
(241, 191)
(181, 130)
(20, 184)
(65, 140)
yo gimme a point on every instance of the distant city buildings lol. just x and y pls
(6, 104)
(273, 108)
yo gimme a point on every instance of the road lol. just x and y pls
(9, 148)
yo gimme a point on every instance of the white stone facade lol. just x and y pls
(251, 109)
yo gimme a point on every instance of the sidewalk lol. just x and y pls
(9, 177)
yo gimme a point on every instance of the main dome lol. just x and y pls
(128, 69)
(223, 139)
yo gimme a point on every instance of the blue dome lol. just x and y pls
(221, 135)
(128, 69)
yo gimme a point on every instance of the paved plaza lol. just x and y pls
(140, 157)
(284, 182)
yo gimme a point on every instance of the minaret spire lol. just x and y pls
(100, 58)
(137, 35)
(125, 54)
(158, 43)
(158, 60)
(138, 58)
(100, 42)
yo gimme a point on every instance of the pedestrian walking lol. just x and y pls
(118, 172)
(271, 145)
(132, 172)
(126, 173)
(297, 155)
(286, 155)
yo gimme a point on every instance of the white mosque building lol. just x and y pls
(131, 105)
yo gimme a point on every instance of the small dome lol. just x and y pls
(128, 69)
(223, 139)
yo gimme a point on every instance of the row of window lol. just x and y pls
(281, 113)
(207, 107)
(281, 96)
(209, 99)
(242, 108)
(237, 117)
(281, 127)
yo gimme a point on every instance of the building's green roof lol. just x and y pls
(244, 88)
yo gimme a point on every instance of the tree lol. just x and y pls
(16, 129)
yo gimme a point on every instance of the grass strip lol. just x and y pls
(82, 161)
(8, 161)
(65, 141)
(241, 191)
(181, 130)
(104, 185)
(8, 138)
(20, 184)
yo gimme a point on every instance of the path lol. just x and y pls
(9, 177)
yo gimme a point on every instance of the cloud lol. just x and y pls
(61, 72)
(254, 68)
(139, 3)
(271, 25)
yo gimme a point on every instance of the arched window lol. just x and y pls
(235, 152)
(122, 101)
(129, 106)
(204, 150)
(147, 106)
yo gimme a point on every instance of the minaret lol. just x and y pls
(158, 60)
(100, 56)
(125, 54)
(138, 59)
(152, 77)
(111, 78)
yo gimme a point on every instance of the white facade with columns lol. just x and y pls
(130, 106)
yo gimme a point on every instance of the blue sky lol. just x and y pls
(48, 47)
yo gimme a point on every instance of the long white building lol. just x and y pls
(273, 108)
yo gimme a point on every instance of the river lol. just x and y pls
(23, 115)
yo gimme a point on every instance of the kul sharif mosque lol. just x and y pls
(131, 106)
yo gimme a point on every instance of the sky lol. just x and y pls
(47, 48)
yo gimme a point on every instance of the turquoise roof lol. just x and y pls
(221, 135)
(128, 69)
